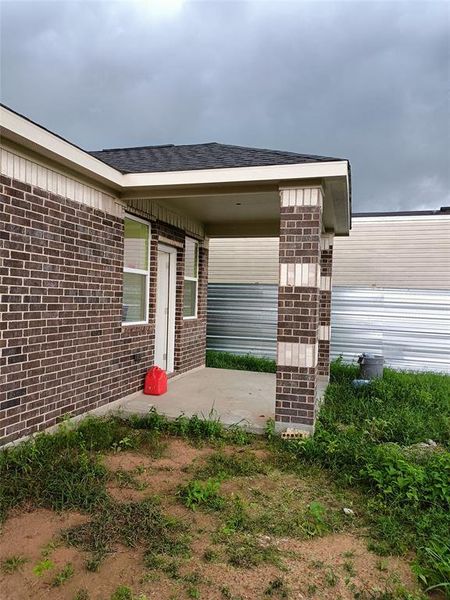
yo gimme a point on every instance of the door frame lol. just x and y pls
(172, 251)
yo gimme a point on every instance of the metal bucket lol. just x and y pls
(370, 365)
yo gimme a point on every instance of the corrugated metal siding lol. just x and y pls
(386, 252)
(411, 328)
(243, 318)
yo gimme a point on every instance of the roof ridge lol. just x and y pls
(133, 148)
(238, 146)
(281, 152)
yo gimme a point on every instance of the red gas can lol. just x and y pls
(155, 382)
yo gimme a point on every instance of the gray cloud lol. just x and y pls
(363, 80)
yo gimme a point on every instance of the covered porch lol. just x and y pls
(235, 398)
(304, 205)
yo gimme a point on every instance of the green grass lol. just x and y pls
(64, 575)
(225, 360)
(64, 470)
(12, 564)
(204, 494)
(244, 551)
(129, 524)
(364, 446)
(364, 437)
(221, 465)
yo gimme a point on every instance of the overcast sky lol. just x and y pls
(367, 81)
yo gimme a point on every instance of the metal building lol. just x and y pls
(391, 291)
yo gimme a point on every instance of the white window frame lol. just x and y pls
(185, 278)
(145, 272)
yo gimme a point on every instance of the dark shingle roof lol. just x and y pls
(190, 157)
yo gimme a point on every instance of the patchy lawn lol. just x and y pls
(149, 509)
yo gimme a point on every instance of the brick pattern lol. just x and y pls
(190, 342)
(63, 348)
(298, 307)
(326, 271)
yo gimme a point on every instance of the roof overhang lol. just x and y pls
(334, 176)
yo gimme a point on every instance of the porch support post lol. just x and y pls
(298, 307)
(326, 272)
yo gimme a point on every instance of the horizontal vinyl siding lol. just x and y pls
(243, 260)
(385, 252)
(400, 252)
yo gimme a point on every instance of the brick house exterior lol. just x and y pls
(63, 347)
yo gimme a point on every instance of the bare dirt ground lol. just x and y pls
(329, 567)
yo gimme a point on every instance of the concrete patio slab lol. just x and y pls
(241, 398)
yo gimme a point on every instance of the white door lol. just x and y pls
(165, 308)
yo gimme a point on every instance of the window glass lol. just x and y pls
(134, 297)
(190, 298)
(136, 245)
(191, 258)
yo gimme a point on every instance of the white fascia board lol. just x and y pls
(40, 140)
(396, 218)
(237, 174)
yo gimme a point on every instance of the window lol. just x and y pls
(136, 271)
(190, 279)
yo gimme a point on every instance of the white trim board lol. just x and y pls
(36, 138)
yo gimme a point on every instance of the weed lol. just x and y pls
(363, 436)
(93, 563)
(349, 568)
(48, 549)
(122, 593)
(129, 524)
(43, 566)
(12, 564)
(269, 429)
(210, 555)
(193, 592)
(226, 593)
(204, 494)
(245, 552)
(61, 470)
(277, 588)
(127, 479)
(82, 594)
(382, 565)
(51, 471)
(433, 565)
(220, 465)
(64, 575)
(312, 589)
(331, 579)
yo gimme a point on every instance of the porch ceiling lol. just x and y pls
(233, 214)
(247, 210)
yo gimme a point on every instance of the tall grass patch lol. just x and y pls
(378, 438)
(240, 362)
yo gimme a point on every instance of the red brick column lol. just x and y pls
(326, 269)
(298, 307)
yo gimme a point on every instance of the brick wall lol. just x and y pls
(298, 307)
(190, 334)
(63, 348)
(326, 272)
